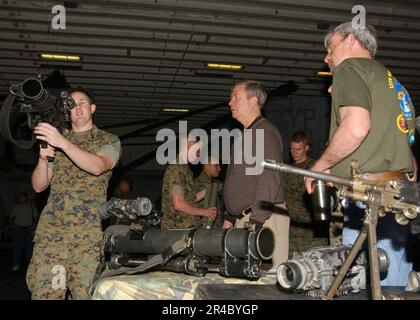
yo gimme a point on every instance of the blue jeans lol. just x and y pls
(21, 240)
(392, 237)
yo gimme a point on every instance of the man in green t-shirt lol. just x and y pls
(371, 122)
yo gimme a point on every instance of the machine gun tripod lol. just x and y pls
(381, 197)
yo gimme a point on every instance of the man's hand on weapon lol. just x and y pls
(308, 181)
(210, 213)
(45, 153)
(227, 224)
(46, 132)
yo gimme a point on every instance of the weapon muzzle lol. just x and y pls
(290, 275)
(32, 89)
(271, 165)
(264, 244)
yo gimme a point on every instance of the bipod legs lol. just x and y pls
(368, 231)
(347, 264)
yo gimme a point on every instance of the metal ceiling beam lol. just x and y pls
(152, 155)
(130, 123)
(170, 120)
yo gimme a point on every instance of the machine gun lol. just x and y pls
(402, 198)
(140, 212)
(142, 245)
(36, 105)
(312, 271)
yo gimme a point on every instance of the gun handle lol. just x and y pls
(44, 145)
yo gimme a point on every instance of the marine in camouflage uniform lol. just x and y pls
(301, 233)
(178, 179)
(336, 227)
(68, 235)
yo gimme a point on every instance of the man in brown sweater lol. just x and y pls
(256, 199)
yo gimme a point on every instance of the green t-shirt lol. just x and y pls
(368, 84)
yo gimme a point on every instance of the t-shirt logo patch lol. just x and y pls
(390, 80)
(401, 124)
(404, 99)
(405, 119)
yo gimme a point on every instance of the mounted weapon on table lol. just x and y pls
(399, 197)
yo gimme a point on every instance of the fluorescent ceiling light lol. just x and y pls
(175, 110)
(224, 66)
(61, 57)
(324, 74)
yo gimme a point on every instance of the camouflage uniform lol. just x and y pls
(163, 285)
(178, 179)
(202, 182)
(301, 234)
(336, 227)
(69, 229)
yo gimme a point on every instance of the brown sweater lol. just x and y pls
(241, 190)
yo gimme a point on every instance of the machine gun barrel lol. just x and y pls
(279, 166)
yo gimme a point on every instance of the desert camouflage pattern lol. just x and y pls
(178, 179)
(336, 227)
(70, 220)
(301, 233)
(160, 285)
(201, 183)
(57, 267)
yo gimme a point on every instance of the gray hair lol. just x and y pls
(253, 89)
(365, 36)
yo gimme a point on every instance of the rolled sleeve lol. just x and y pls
(113, 151)
(176, 190)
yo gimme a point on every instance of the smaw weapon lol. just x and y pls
(35, 105)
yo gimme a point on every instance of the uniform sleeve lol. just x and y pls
(176, 181)
(113, 150)
(350, 89)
